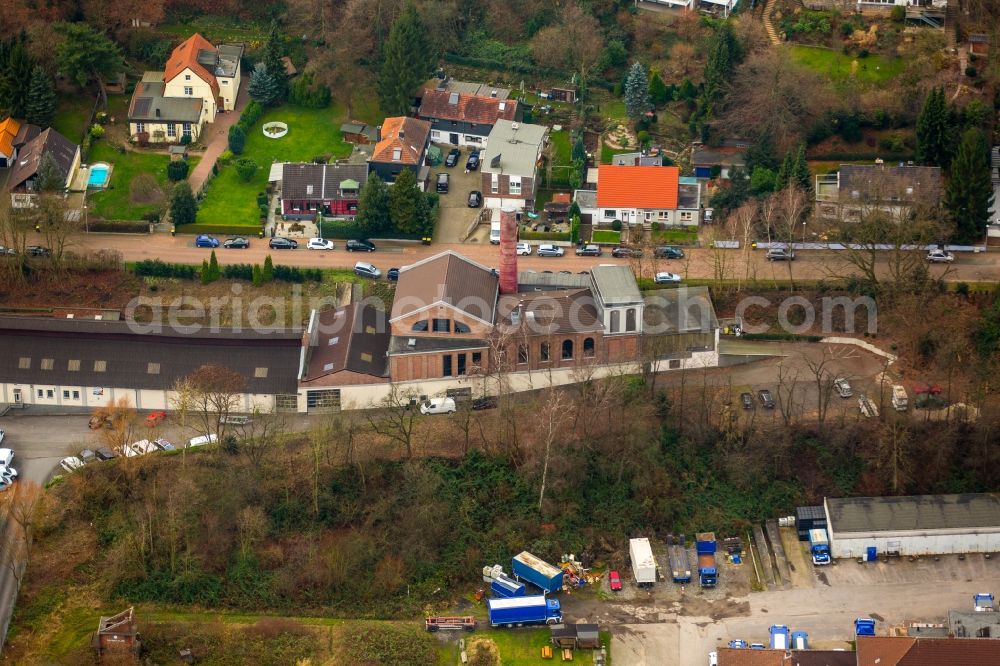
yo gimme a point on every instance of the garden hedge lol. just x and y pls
(230, 229)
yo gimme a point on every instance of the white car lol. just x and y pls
(713, 659)
(438, 406)
(549, 250)
(203, 440)
(843, 387)
(140, 448)
(71, 464)
(319, 244)
(8, 473)
(667, 278)
(6, 457)
(940, 257)
(2, 435)
(523, 249)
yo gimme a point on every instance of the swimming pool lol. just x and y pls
(98, 177)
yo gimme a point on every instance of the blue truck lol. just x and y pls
(506, 587)
(516, 611)
(864, 626)
(819, 546)
(708, 572)
(779, 637)
(539, 573)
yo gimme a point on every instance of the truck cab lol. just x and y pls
(819, 547)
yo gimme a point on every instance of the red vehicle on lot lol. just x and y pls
(615, 581)
(155, 418)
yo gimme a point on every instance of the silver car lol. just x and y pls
(843, 387)
(549, 250)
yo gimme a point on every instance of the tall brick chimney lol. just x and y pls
(508, 251)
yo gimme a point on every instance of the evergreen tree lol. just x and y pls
(784, 173)
(40, 107)
(48, 177)
(206, 273)
(214, 272)
(636, 91)
(183, 207)
(687, 91)
(263, 87)
(373, 206)
(256, 276)
(16, 70)
(800, 169)
(267, 273)
(933, 128)
(659, 94)
(723, 56)
(86, 55)
(761, 153)
(272, 62)
(408, 206)
(970, 192)
(579, 148)
(407, 61)
(237, 139)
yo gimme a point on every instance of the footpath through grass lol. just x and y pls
(872, 69)
(312, 133)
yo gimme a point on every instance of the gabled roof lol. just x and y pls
(8, 132)
(320, 181)
(403, 141)
(906, 651)
(513, 148)
(185, 56)
(919, 512)
(552, 312)
(449, 105)
(63, 151)
(883, 182)
(615, 285)
(448, 278)
(648, 187)
(354, 338)
(744, 657)
(149, 104)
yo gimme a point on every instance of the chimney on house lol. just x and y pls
(508, 251)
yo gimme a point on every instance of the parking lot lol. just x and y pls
(456, 216)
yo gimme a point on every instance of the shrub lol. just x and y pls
(157, 268)
(225, 157)
(237, 139)
(971, 72)
(246, 168)
(616, 225)
(97, 131)
(186, 139)
(177, 170)
(251, 114)
(898, 14)
(305, 91)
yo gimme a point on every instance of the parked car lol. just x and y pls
(364, 269)
(203, 440)
(104, 453)
(6, 457)
(237, 243)
(475, 199)
(843, 387)
(392, 275)
(523, 249)
(319, 244)
(140, 448)
(8, 473)
(614, 581)
(780, 254)
(738, 644)
(667, 278)
(7, 251)
(438, 406)
(442, 182)
(549, 250)
(622, 252)
(71, 464)
(765, 398)
(472, 163)
(164, 445)
(38, 251)
(588, 251)
(359, 246)
(746, 400)
(87, 456)
(669, 252)
(206, 241)
(940, 257)
(486, 402)
(452, 158)
(154, 418)
(2, 435)
(235, 419)
(713, 658)
(281, 243)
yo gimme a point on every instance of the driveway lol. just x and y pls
(456, 216)
(218, 138)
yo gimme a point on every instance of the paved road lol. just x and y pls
(699, 263)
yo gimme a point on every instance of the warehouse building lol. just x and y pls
(918, 525)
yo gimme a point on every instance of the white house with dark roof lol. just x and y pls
(509, 164)
(331, 190)
(22, 180)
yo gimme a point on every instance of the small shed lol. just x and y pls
(979, 43)
(588, 636)
(177, 153)
(117, 639)
(809, 518)
(567, 94)
(359, 133)
(564, 635)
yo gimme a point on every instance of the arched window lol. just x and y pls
(567, 350)
(461, 328)
(522, 353)
(630, 319)
(420, 326)
(616, 321)
(545, 352)
(588, 347)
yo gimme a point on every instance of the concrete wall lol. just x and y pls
(90, 397)
(922, 544)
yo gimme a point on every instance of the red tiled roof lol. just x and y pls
(468, 108)
(905, 651)
(410, 144)
(8, 131)
(650, 187)
(185, 56)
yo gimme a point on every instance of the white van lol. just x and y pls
(495, 233)
(6, 457)
(203, 440)
(438, 406)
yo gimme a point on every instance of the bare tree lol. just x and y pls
(122, 425)
(552, 416)
(210, 394)
(824, 379)
(18, 508)
(574, 43)
(260, 436)
(58, 224)
(16, 225)
(893, 446)
(743, 220)
(786, 390)
(396, 417)
(792, 206)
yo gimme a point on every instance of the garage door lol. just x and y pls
(327, 400)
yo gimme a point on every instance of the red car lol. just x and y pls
(155, 418)
(615, 581)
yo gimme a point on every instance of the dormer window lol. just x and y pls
(309, 190)
(397, 153)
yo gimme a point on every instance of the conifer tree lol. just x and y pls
(932, 130)
(373, 205)
(407, 61)
(40, 107)
(970, 191)
(636, 91)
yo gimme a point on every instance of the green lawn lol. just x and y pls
(562, 150)
(116, 203)
(72, 114)
(606, 236)
(523, 647)
(219, 29)
(682, 236)
(614, 109)
(838, 67)
(311, 133)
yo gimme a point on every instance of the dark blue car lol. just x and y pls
(206, 241)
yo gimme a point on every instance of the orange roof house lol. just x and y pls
(185, 56)
(402, 144)
(8, 132)
(637, 187)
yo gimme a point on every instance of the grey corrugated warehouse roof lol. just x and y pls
(916, 513)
